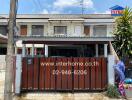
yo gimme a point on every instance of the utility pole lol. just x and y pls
(82, 4)
(8, 93)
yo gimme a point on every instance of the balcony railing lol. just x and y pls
(62, 35)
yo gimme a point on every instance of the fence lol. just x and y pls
(63, 74)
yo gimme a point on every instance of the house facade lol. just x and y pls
(62, 35)
(63, 52)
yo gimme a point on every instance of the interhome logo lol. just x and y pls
(116, 10)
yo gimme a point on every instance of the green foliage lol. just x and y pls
(123, 34)
(112, 92)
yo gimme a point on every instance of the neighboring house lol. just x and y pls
(62, 35)
(3, 50)
(3, 44)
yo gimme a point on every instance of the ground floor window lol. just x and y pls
(89, 50)
(3, 50)
(63, 51)
(73, 51)
(39, 51)
(101, 49)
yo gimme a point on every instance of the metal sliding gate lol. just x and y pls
(63, 74)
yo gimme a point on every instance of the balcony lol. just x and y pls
(67, 35)
(63, 38)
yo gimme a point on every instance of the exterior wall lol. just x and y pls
(77, 21)
(2, 62)
(70, 28)
(29, 27)
(49, 28)
(110, 29)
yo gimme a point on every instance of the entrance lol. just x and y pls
(61, 51)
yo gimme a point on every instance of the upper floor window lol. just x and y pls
(100, 30)
(23, 30)
(87, 30)
(37, 30)
(3, 29)
(60, 30)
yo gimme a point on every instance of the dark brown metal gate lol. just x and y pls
(63, 74)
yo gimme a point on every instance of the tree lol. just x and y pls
(123, 34)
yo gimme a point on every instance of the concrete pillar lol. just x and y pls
(32, 52)
(91, 30)
(110, 68)
(46, 50)
(29, 30)
(23, 50)
(18, 74)
(97, 50)
(15, 50)
(35, 51)
(105, 50)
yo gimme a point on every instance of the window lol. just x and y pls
(60, 30)
(3, 50)
(39, 51)
(87, 30)
(37, 30)
(23, 30)
(3, 30)
(100, 30)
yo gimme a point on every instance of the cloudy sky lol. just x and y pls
(63, 6)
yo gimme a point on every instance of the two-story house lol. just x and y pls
(62, 52)
(62, 35)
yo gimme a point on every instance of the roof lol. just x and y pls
(116, 7)
(60, 16)
(61, 39)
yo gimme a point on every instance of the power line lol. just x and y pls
(38, 4)
(81, 3)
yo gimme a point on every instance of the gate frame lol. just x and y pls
(18, 71)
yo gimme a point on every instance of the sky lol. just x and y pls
(63, 6)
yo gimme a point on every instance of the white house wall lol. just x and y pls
(49, 25)
(70, 27)
(110, 29)
(49, 28)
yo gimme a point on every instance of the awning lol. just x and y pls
(63, 40)
(3, 39)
